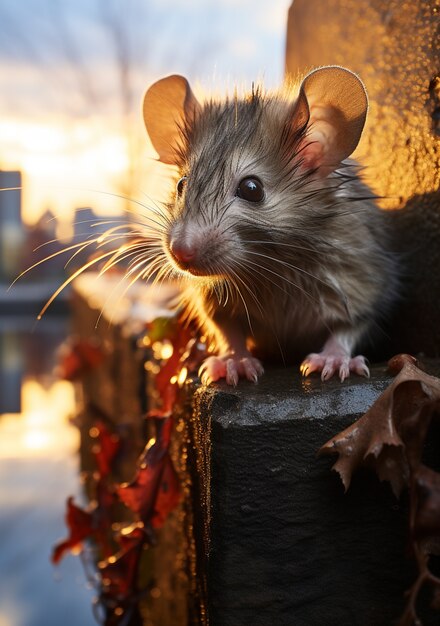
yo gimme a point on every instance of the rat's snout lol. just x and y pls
(184, 245)
(195, 249)
(183, 251)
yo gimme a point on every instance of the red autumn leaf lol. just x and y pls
(70, 366)
(106, 447)
(187, 353)
(140, 494)
(83, 355)
(94, 524)
(159, 414)
(106, 498)
(119, 571)
(154, 492)
(390, 435)
(168, 495)
(80, 525)
(168, 397)
(168, 390)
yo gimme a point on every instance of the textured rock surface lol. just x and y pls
(286, 545)
(395, 47)
(265, 532)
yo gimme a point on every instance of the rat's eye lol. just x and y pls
(250, 189)
(181, 185)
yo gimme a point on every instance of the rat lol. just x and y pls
(281, 250)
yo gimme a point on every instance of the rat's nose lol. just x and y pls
(183, 251)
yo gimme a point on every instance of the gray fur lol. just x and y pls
(309, 260)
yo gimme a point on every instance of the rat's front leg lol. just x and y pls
(336, 357)
(234, 360)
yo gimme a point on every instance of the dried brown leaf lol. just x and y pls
(389, 437)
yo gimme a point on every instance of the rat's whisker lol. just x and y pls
(234, 279)
(140, 262)
(239, 276)
(286, 280)
(69, 280)
(165, 271)
(51, 256)
(295, 268)
(121, 254)
(84, 236)
(122, 196)
(257, 276)
(99, 244)
(341, 296)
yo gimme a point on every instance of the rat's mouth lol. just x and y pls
(198, 256)
(193, 268)
(195, 271)
(194, 264)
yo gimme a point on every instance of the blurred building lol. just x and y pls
(88, 224)
(11, 371)
(37, 251)
(43, 251)
(41, 243)
(12, 234)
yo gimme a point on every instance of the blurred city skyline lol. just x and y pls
(76, 71)
(71, 136)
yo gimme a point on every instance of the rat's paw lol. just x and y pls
(231, 368)
(328, 364)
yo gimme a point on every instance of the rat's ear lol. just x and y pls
(334, 102)
(169, 105)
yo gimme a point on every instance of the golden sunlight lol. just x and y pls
(66, 164)
(42, 429)
(86, 163)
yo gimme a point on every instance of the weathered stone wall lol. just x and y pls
(286, 545)
(394, 46)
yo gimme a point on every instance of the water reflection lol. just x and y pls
(39, 468)
(42, 428)
(27, 349)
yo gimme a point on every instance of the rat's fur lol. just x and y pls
(309, 261)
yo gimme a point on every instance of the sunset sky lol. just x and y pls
(73, 73)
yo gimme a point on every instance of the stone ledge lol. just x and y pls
(294, 397)
(286, 544)
(265, 532)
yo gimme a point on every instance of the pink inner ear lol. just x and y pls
(311, 154)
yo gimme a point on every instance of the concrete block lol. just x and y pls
(285, 544)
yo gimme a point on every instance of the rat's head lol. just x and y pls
(247, 166)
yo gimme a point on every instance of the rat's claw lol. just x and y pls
(231, 372)
(232, 368)
(344, 370)
(328, 364)
(313, 363)
(205, 378)
(329, 368)
(252, 368)
(358, 364)
(212, 369)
